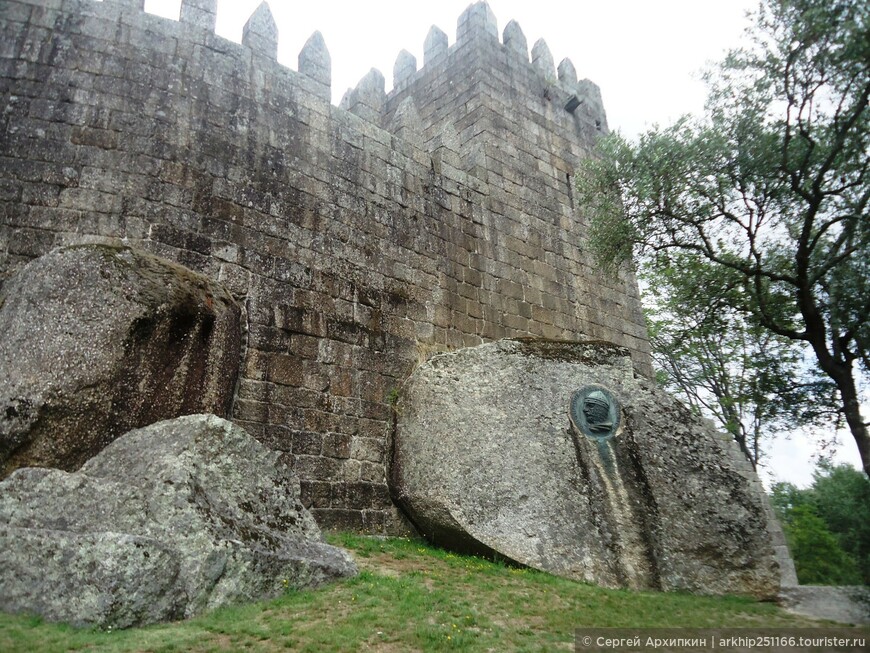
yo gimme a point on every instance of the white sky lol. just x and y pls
(646, 55)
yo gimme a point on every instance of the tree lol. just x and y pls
(770, 188)
(818, 557)
(828, 525)
(745, 377)
(841, 496)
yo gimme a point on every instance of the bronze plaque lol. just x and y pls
(595, 412)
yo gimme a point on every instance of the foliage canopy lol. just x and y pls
(751, 381)
(828, 525)
(769, 190)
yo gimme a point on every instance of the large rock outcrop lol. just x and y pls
(96, 340)
(486, 458)
(167, 521)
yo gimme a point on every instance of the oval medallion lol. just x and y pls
(595, 412)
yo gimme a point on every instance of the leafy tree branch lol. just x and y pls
(770, 189)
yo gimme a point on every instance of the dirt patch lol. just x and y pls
(385, 564)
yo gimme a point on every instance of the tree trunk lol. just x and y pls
(742, 440)
(835, 365)
(852, 410)
(841, 374)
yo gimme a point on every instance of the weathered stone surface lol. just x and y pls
(89, 579)
(404, 68)
(485, 460)
(514, 39)
(567, 72)
(315, 62)
(367, 99)
(260, 33)
(435, 46)
(590, 95)
(477, 20)
(406, 123)
(542, 59)
(200, 13)
(849, 605)
(129, 4)
(169, 520)
(96, 340)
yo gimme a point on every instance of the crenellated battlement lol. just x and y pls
(360, 238)
(368, 100)
(477, 28)
(197, 21)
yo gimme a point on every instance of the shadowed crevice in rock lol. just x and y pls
(622, 508)
(97, 340)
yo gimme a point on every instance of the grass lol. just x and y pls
(411, 597)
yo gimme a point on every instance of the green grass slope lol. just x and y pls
(412, 597)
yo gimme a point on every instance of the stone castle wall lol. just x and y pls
(360, 238)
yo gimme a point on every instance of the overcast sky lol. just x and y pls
(646, 55)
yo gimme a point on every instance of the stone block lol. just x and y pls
(340, 520)
(337, 445)
(261, 32)
(368, 98)
(368, 449)
(201, 14)
(406, 123)
(404, 68)
(567, 73)
(307, 443)
(315, 494)
(435, 47)
(542, 59)
(315, 62)
(515, 41)
(475, 22)
(127, 4)
(100, 339)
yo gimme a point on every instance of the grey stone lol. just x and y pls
(113, 580)
(315, 62)
(477, 20)
(96, 340)
(515, 40)
(542, 59)
(485, 460)
(406, 123)
(168, 521)
(404, 68)
(590, 96)
(567, 72)
(844, 604)
(128, 4)
(368, 98)
(260, 33)
(444, 147)
(201, 13)
(435, 46)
